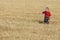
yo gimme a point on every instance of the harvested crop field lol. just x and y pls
(22, 20)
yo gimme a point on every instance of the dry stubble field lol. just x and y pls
(19, 20)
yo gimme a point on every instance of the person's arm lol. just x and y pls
(49, 13)
(43, 12)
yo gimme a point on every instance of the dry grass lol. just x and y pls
(19, 20)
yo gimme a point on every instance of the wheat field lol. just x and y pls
(19, 20)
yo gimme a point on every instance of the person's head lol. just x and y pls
(47, 9)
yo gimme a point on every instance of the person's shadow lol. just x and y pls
(39, 21)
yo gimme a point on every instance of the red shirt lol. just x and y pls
(47, 14)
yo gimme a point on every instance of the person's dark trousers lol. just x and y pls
(46, 20)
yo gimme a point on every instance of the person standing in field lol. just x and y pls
(47, 15)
